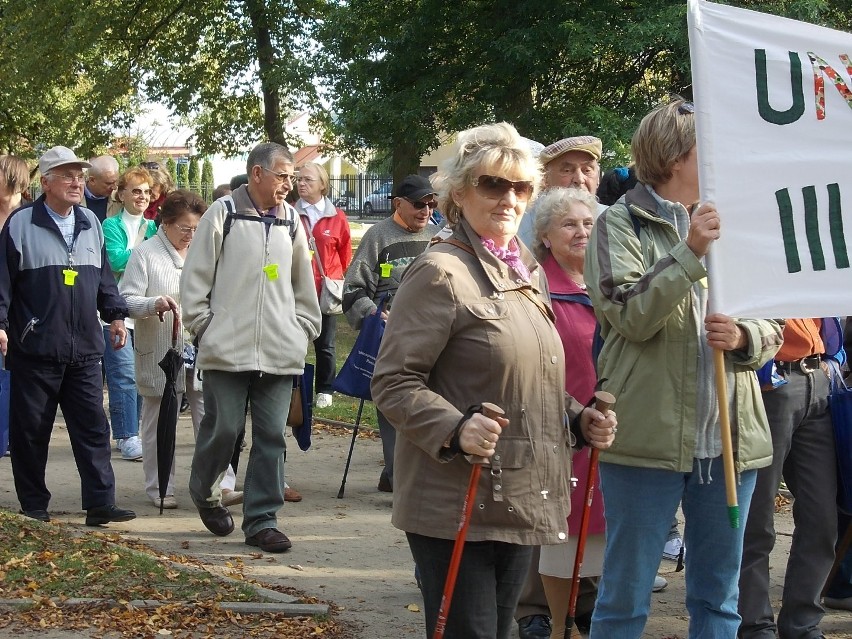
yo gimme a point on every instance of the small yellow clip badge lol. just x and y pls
(70, 275)
(271, 271)
(386, 269)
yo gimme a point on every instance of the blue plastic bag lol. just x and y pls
(357, 371)
(304, 385)
(840, 405)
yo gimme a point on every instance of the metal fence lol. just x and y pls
(364, 194)
(361, 194)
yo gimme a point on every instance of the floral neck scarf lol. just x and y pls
(511, 256)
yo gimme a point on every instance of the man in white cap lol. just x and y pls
(54, 280)
(568, 162)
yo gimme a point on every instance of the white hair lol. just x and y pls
(103, 164)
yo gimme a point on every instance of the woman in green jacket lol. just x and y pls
(647, 280)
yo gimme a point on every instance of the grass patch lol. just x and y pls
(46, 560)
(41, 561)
(344, 409)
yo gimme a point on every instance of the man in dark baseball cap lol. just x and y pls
(413, 187)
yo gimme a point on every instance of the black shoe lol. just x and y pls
(534, 627)
(270, 540)
(385, 485)
(107, 514)
(184, 404)
(41, 515)
(218, 520)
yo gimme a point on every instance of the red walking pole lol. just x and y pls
(491, 411)
(603, 402)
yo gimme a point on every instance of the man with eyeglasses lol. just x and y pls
(248, 299)
(100, 185)
(54, 280)
(385, 251)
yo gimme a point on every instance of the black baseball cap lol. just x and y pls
(413, 187)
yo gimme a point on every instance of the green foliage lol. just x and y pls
(207, 185)
(182, 181)
(171, 167)
(194, 175)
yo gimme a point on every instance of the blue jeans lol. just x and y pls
(639, 505)
(490, 578)
(125, 403)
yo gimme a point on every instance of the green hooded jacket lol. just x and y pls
(640, 287)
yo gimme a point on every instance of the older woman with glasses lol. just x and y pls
(151, 286)
(328, 234)
(471, 324)
(647, 279)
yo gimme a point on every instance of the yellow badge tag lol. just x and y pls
(271, 271)
(703, 282)
(386, 269)
(70, 275)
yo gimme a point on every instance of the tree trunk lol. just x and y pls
(273, 124)
(405, 159)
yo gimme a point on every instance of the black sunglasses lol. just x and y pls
(687, 108)
(494, 188)
(151, 166)
(420, 205)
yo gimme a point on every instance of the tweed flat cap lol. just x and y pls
(584, 143)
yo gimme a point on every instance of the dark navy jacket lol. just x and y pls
(43, 317)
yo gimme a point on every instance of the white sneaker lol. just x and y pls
(323, 400)
(131, 448)
(660, 583)
(671, 550)
(169, 502)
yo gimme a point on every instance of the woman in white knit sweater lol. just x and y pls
(151, 286)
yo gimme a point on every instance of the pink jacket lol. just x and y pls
(575, 323)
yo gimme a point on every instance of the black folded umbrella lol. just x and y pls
(172, 365)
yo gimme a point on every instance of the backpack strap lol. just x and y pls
(228, 201)
(571, 297)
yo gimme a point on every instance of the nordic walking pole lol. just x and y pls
(603, 402)
(351, 448)
(491, 411)
(727, 443)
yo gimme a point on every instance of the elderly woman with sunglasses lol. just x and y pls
(122, 232)
(647, 280)
(151, 288)
(470, 325)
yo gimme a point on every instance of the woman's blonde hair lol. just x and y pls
(552, 205)
(322, 173)
(664, 136)
(497, 146)
(14, 174)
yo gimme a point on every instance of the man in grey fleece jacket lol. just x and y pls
(385, 251)
(248, 298)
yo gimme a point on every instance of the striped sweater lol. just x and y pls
(153, 270)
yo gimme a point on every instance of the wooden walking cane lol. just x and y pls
(727, 443)
(603, 402)
(491, 411)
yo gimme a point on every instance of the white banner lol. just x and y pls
(773, 103)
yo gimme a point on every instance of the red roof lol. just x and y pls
(307, 154)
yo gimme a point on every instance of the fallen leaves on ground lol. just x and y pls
(39, 561)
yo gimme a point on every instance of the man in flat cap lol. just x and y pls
(570, 162)
(385, 251)
(54, 280)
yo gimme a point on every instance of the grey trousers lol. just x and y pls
(225, 395)
(803, 452)
(388, 434)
